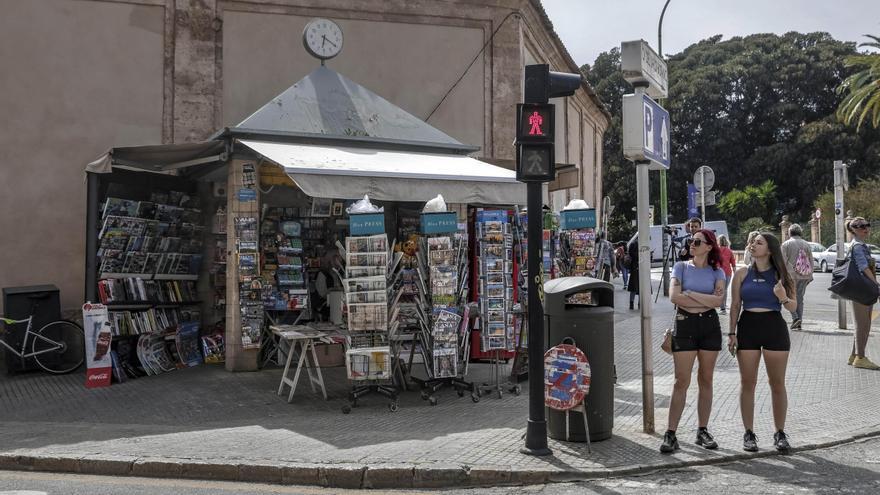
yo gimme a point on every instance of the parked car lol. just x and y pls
(816, 248)
(828, 257)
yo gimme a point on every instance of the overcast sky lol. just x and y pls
(589, 27)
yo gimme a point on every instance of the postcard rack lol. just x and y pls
(368, 357)
(444, 337)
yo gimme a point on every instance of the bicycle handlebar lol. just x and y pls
(10, 321)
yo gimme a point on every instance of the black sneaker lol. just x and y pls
(705, 439)
(780, 441)
(670, 443)
(750, 441)
(796, 325)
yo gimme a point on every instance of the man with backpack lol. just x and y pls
(799, 261)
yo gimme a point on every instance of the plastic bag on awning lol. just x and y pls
(577, 204)
(364, 206)
(436, 205)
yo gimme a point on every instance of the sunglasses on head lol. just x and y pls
(862, 226)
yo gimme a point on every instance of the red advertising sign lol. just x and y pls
(96, 324)
(566, 377)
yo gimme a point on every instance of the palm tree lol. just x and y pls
(863, 88)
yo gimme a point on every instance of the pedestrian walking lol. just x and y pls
(757, 329)
(620, 259)
(632, 250)
(696, 290)
(747, 256)
(728, 265)
(799, 262)
(605, 266)
(861, 254)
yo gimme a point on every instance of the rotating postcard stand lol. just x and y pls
(444, 337)
(368, 358)
(498, 308)
(577, 244)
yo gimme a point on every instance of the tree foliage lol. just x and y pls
(863, 88)
(753, 108)
(749, 202)
(863, 200)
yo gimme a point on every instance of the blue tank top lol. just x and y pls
(757, 290)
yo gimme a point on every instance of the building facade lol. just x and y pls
(82, 76)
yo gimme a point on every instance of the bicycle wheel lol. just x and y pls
(59, 347)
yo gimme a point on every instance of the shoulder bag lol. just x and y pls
(851, 284)
(669, 333)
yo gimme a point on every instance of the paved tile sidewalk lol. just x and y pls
(206, 423)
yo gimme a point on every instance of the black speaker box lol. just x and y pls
(44, 302)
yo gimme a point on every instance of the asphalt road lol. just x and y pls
(848, 468)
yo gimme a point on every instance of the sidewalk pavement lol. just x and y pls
(206, 423)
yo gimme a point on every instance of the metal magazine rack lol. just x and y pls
(368, 357)
(444, 336)
(498, 308)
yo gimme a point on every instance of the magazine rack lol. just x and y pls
(444, 336)
(368, 358)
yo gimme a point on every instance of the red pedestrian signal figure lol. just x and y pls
(535, 121)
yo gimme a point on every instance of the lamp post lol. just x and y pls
(664, 212)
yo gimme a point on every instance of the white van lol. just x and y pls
(719, 227)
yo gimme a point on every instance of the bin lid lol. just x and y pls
(556, 292)
(29, 289)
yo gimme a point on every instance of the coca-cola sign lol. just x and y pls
(98, 337)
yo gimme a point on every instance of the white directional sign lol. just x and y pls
(704, 177)
(645, 130)
(710, 198)
(641, 64)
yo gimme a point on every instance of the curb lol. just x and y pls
(379, 476)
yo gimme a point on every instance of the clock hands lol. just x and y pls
(324, 36)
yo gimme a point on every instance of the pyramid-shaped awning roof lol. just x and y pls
(326, 104)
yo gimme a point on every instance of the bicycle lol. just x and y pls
(58, 347)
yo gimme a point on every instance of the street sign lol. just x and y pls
(641, 64)
(651, 215)
(566, 377)
(535, 122)
(704, 177)
(645, 130)
(535, 162)
(710, 198)
(818, 213)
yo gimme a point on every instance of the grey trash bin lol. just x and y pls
(582, 308)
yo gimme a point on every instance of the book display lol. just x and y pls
(218, 267)
(149, 257)
(285, 277)
(368, 358)
(442, 309)
(250, 285)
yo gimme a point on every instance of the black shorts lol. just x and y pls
(764, 330)
(697, 331)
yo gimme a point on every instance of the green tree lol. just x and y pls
(749, 202)
(739, 236)
(863, 200)
(754, 108)
(862, 88)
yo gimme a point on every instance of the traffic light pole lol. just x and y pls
(536, 430)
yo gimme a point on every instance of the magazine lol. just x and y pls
(369, 244)
(187, 341)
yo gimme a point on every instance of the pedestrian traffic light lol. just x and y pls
(535, 122)
(535, 162)
(541, 84)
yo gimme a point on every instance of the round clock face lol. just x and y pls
(323, 38)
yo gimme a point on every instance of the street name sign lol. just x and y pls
(645, 131)
(641, 64)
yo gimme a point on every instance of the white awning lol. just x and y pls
(349, 173)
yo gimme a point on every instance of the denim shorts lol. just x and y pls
(697, 331)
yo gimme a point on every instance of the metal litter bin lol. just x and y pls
(582, 308)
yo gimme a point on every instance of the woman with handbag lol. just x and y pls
(696, 289)
(761, 290)
(861, 255)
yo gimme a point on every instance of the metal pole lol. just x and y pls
(664, 208)
(645, 297)
(839, 171)
(92, 199)
(703, 192)
(536, 430)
